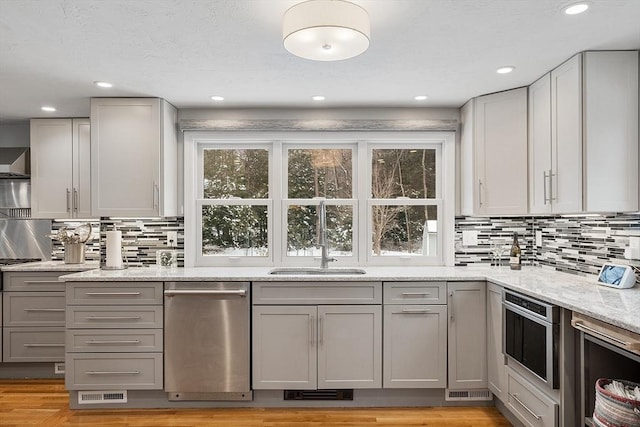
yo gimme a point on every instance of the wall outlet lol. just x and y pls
(538, 238)
(469, 237)
(172, 239)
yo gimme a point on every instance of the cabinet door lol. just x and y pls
(540, 145)
(496, 366)
(51, 168)
(467, 335)
(566, 136)
(125, 160)
(611, 131)
(500, 140)
(415, 346)
(82, 168)
(350, 346)
(284, 347)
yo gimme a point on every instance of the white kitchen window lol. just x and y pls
(252, 199)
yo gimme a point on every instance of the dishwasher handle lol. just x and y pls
(210, 292)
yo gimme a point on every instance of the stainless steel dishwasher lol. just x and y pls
(207, 342)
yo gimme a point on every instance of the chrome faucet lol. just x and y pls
(322, 237)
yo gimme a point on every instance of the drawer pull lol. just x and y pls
(533, 414)
(413, 294)
(56, 310)
(98, 342)
(113, 317)
(407, 311)
(42, 282)
(112, 372)
(43, 345)
(584, 328)
(113, 294)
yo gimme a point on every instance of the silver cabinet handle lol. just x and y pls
(312, 331)
(68, 200)
(99, 342)
(156, 196)
(544, 186)
(75, 200)
(480, 192)
(451, 305)
(533, 414)
(321, 327)
(412, 294)
(112, 372)
(43, 345)
(113, 317)
(238, 292)
(56, 310)
(407, 311)
(42, 282)
(551, 175)
(115, 294)
(581, 326)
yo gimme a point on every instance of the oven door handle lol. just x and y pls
(530, 316)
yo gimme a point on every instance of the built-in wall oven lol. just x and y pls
(531, 335)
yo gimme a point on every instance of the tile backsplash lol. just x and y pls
(573, 244)
(141, 239)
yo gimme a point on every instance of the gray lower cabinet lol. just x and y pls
(316, 345)
(467, 335)
(496, 362)
(415, 335)
(114, 336)
(531, 405)
(33, 316)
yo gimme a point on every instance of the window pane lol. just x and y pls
(403, 173)
(234, 230)
(242, 173)
(320, 173)
(404, 230)
(303, 226)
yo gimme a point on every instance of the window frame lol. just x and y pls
(277, 143)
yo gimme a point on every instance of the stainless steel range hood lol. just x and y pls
(14, 162)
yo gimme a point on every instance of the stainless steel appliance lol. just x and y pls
(207, 341)
(530, 335)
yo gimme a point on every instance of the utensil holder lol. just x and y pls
(74, 253)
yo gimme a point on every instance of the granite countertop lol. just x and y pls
(50, 266)
(619, 307)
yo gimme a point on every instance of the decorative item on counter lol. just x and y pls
(167, 259)
(74, 242)
(114, 250)
(515, 261)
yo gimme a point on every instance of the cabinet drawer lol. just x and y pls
(131, 371)
(114, 293)
(530, 404)
(283, 293)
(33, 345)
(104, 317)
(33, 309)
(43, 281)
(114, 340)
(415, 292)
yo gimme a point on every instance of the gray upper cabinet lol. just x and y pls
(611, 131)
(60, 168)
(494, 154)
(134, 157)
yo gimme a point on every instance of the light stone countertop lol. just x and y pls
(50, 266)
(620, 307)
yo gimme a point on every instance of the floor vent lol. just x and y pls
(461, 395)
(89, 397)
(58, 368)
(344, 394)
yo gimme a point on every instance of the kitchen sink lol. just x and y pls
(293, 271)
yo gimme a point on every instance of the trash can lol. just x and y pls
(74, 253)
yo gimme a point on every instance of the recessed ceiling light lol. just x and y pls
(505, 70)
(48, 109)
(217, 98)
(576, 8)
(103, 84)
(420, 97)
(318, 98)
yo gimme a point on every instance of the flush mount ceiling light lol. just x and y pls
(576, 8)
(217, 98)
(505, 70)
(326, 30)
(318, 98)
(48, 109)
(103, 84)
(420, 97)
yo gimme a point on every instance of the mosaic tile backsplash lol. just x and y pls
(141, 239)
(573, 244)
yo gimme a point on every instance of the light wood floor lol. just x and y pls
(45, 403)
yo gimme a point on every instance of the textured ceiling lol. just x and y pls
(187, 50)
